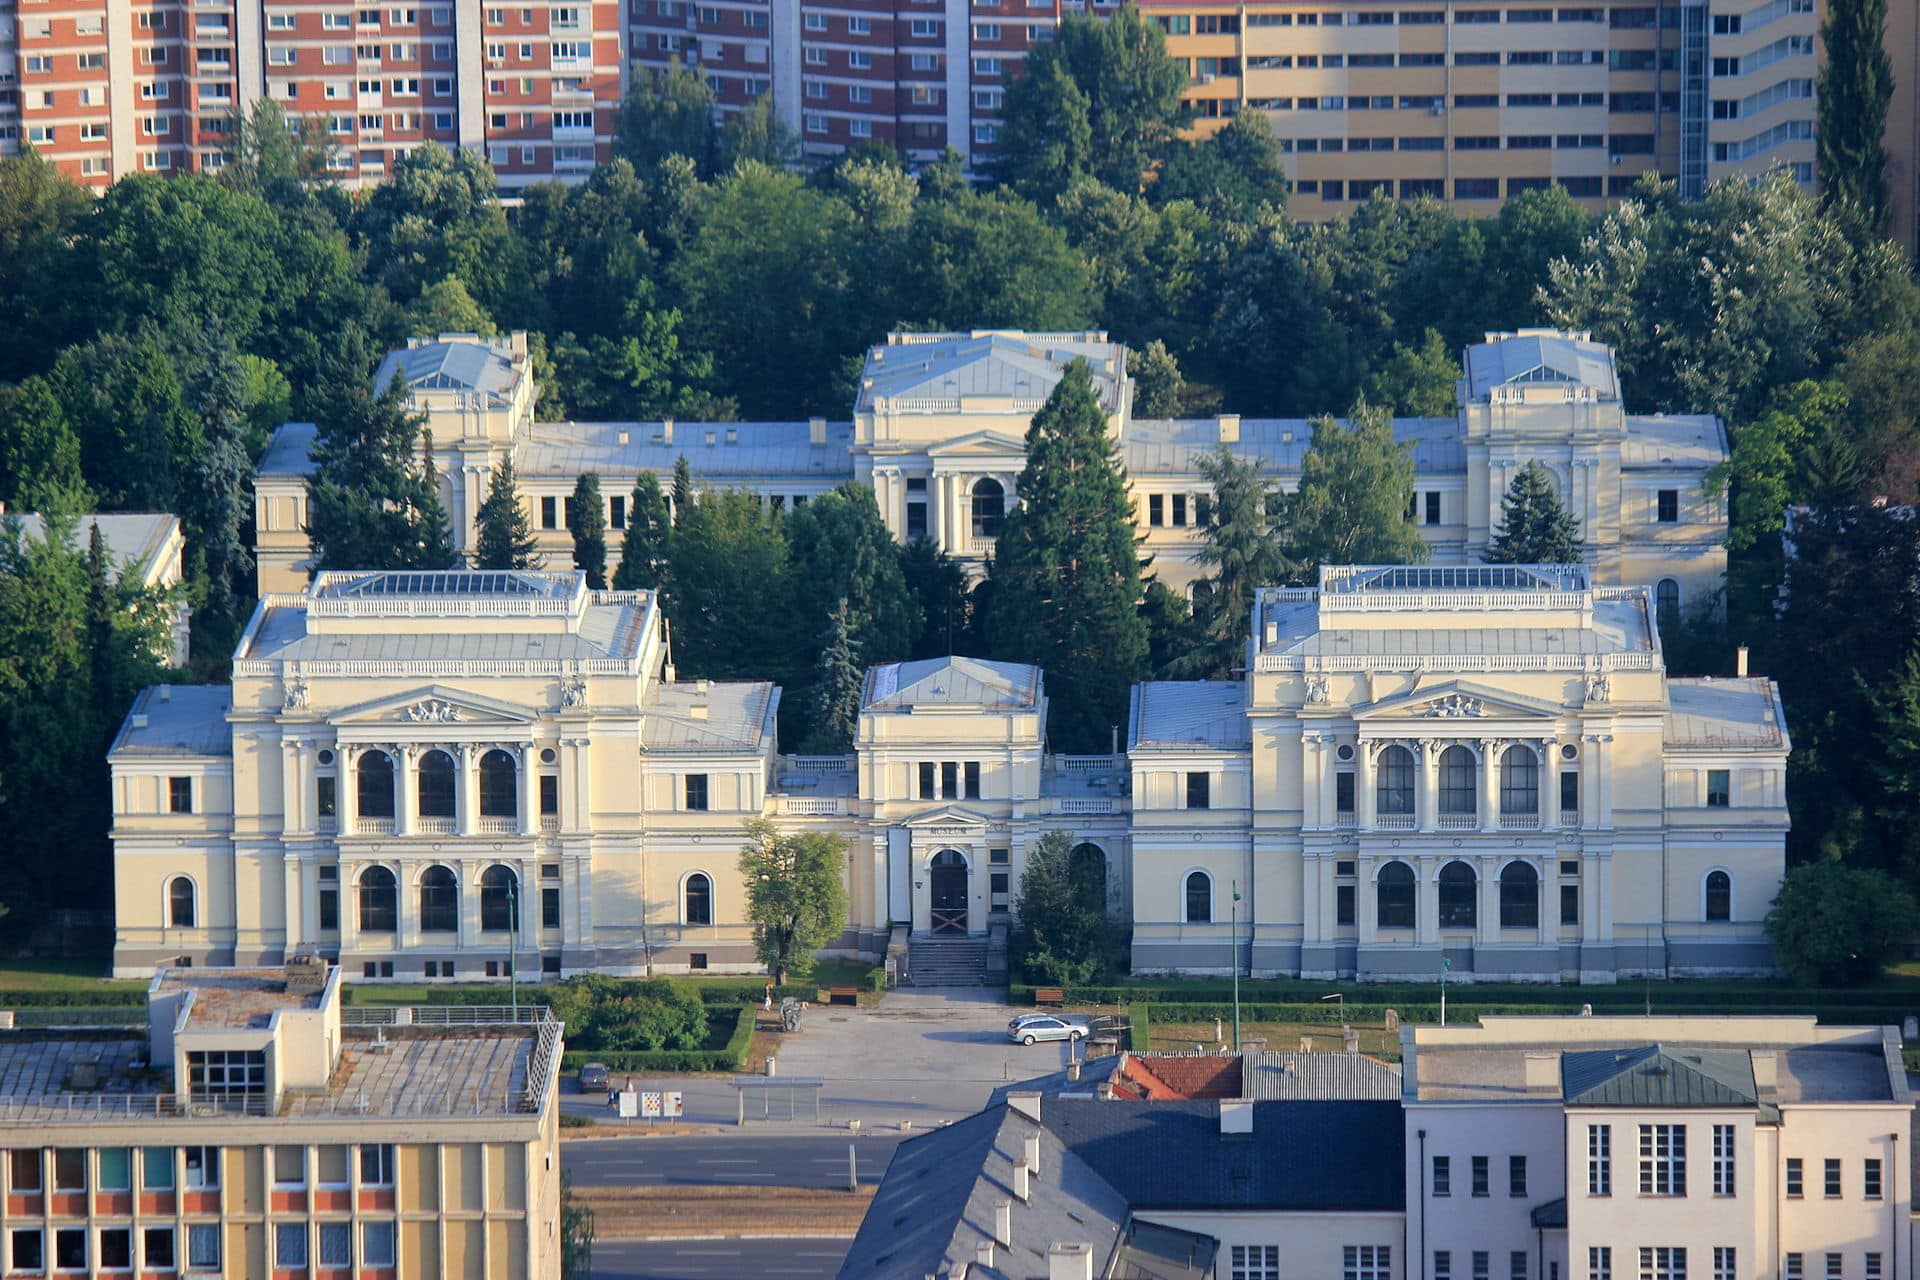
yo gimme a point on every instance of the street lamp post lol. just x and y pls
(1445, 964)
(1234, 950)
(513, 945)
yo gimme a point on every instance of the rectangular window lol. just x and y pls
(116, 1169)
(376, 1244)
(616, 507)
(1432, 508)
(1481, 1264)
(1872, 1271)
(1256, 1262)
(949, 780)
(1366, 1262)
(1796, 1185)
(179, 795)
(1343, 793)
(926, 780)
(1442, 1264)
(549, 908)
(290, 1246)
(1719, 788)
(1723, 1177)
(1663, 1160)
(1870, 1180)
(26, 1249)
(1831, 1179)
(1480, 1176)
(289, 1166)
(1343, 905)
(1836, 1266)
(116, 1248)
(1517, 1264)
(972, 772)
(1156, 510)
(1724, 1266)
(1599, 1262)
(203, 1171)
(1599, 1159)
(336, 1244)
(23, 1170)
(549, 794)
(1569, 904)
(1180, 510)
(1668, 501)
(1516, 1175)
(156, 1169)
(1197, 790)
(696, 791)
(549, 513)
(1663, 1262)
(1442, 1175)
(69, 1169)
(376, 1164)
(1794, 1267)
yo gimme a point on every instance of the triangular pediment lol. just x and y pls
(1459, 700)
(983, 444)
(948, 815)
(434, 704)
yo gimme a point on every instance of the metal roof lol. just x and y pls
(952, 682)
(708, 715)
(951, 366)
(1715, 711)
(1175, 447)
(1662, 442)
(290, 451)
(1658, 1076)
(1189, 713)
(1319, 1077)
(470, 365)
(133, 538)
(177, 719)
(716, 452)
(1345, 579)
(446, 582)
(1540, 355)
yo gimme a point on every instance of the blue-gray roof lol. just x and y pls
(290, 451)
(718, 453)
(1658, 1076)
(469, 365)
(177, 720)
(1176, 447)
(1540, 356)
(952, 682)
(133, 538)
(1017, 365)
(1204, 714)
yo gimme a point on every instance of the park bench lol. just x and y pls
(1053, 996)
(839, 995)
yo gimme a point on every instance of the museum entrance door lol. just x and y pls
(947, 883)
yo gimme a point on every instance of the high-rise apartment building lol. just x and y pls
(107, 88)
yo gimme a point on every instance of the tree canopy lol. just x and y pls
(1534, 527)
(796, 896)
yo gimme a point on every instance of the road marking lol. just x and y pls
(727, 1162)
(708, 1253)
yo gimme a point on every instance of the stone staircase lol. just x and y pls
(947, 962)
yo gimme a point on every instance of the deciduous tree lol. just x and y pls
(1837, 926)
(1064, 924)
(796, 895)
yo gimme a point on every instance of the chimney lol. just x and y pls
(1073, 1070)
(816, 430)
(983, 1255)
(166, 693)
(700, 711)
(1766, 1069)
(1070, 1262)
(1003, 1223)
(139, 720)
(1543, 1072)
(1229, 428)
(1236, 1116)
(1026, 1102)
(1022, 1181)
(1270, 633)
(1033, 1154)
(666, 431)
(624, 437)
(1740, 661)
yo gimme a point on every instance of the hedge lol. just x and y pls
(77, 998)
(729, 1057)
(1140, 1027)
(1625, 997)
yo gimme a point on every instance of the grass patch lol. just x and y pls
(719, 988)
(65, 980)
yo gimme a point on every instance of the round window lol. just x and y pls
(1569, 751)
(1345, 753)
(326, 757)
(547, 756)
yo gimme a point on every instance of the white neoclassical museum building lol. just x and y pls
(939, 430)
(433, 775)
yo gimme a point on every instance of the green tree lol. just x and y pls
(993, 261)
(446, 307)
(1856, 86)
(939, 586)
(796, 895)
(503, 535)
(1065, 927)
(1157, 383)
(1417, 381)
(1837, 926)
(668, 112)
(139, 441)
(1534, 527)
(838, 677)
(684, 496)
(1102, 98)
(587, 518)
(576, 1234)
(841, 549)
(1066, 575)
(41, 212)
(644, 548)
(756, 132)
(1241, 553)
(219, 496)
(432, 546)
(1235, 170)
(39, 452)
(1354, 498)
(732, 592)
(438, 215)
(267, 158)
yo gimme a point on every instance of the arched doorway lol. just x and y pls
(989, 507)
(947, 896)
(1087, 873)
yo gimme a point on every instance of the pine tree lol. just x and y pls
(504, 538)
(1241, 553)
(837, 683)
(432, 531)
(220, 497)
(1855, 87)
(1354, 499)
(587, 517)
(100, 610)
(940, 586)
(683, 495)
(644, 549)
(842, 550)
(1066, 577)
(1534, 527)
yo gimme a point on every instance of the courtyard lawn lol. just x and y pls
(64, 977)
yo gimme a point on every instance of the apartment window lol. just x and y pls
(1663, 1160)
(1481, 1264)
(1442, 1264)
(1599, 1262)
(376, 1244)
(1872, 1271)
(1724, 1267)
(290, 1246)
(1794, 1267)
(376, 1165)
(1366, 1262)
(1667, 506)
(696, 791)
(70, 1249)
(179, 795)
(289, 1166)
(972, 777)
(116, 1169)
(1719, 789)
(1517, 1264)
(203, 1173)
(23, 1170)
(549, 513)
(1599, 1159)
(1870, 1180)
(1516, 1175)
(1663, 1262)
(1723, 1177)
(1796, 1185)
(1256, 1262)
(336, 1244)
(1442, 1176)
(1831, 1179)
(1479, 1176)
(1836, 1266)
(26, 1249)
(1197, 791)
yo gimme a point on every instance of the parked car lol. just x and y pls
(593, 1076)
(1031, 1027)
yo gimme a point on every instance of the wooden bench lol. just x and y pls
(839, 995)
(1053, 996)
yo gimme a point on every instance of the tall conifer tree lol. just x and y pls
(1856, 84)
(1534, 527)
(504, 539)
(683, 495)
(221, 493)
(432, 530)
(837, 682)
(587, 517)
(1355, 498)
(1066, 577)
(644, 550)
(1241, 553)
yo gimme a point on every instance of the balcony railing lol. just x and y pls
(813, 806)
(435, 826)
(1569, 819)
(373, 826)
(1393, 822)
(1519, 822)
(1085, 805)
(1458, 821)
(1345, 821)
(499, 826)
(549, 822)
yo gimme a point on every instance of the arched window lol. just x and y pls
(699, 899)
(439, 901)
(499, 786)
(1087, 875)
(1459, 889)
(499, 900)
(1519, 781)
(1394, 791)
(379, 901)
(989, 507)
(1666, 602)
(1519, 897)
(1719, 897)
(375, 785)
(1393, 891)
(1199, 898)
(180, 913)
(436, 785)
(1457, 781)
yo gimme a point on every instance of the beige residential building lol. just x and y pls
(938, 431)
(147, 547)
(257, 1128)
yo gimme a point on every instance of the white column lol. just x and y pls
(346, 792)
(469, 901)
(295, 897)
(309, 881)
(1489, 872)
(529, 788)
(1550, 896)
(406, 909)
(1489, 784)
(1549, 785)
(1366, 900)
(1426, 796)
(349, 897)
(293, 788)
(1426, 900)
(1605, 748)
(467, 789)
(1363, 797)
(529, 871)
(404, 784)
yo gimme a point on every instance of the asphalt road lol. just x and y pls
(761, 1160)
(717, 1259)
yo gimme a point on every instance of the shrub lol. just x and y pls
(610, 1014)
(726, 1056)
(1837, 925)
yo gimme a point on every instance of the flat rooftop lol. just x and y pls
(237, 998)
(1806, 1074)
(417, 1071)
